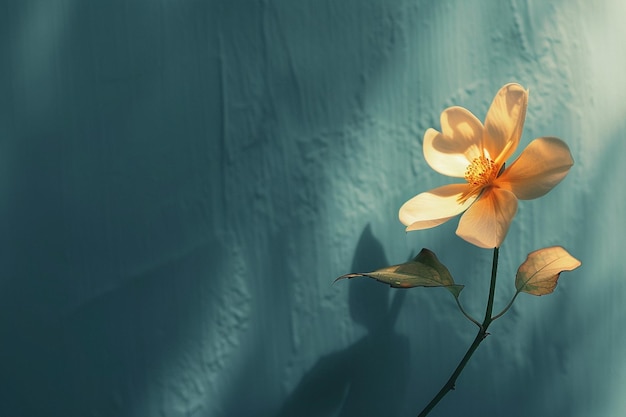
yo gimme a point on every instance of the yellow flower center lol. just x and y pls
(481, 172)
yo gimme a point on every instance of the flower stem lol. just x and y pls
(492, 288)
(480, 336)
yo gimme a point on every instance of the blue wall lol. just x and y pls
(181, 181)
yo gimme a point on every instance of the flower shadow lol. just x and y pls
(370, 376)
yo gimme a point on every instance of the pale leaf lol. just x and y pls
(538, 275)
(424, 270)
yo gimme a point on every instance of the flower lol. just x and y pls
(466, 149)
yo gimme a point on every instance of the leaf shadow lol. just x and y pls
(370, 376)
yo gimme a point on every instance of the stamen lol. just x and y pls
(481, 171)
(479, 174)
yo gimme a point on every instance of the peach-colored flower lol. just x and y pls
(466, 149)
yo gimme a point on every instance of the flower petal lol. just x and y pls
(459, 142)
(538, 169)
(487, 221)
(504, 122)
(434, 207)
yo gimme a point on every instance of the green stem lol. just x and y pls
(492, 288)
(500, 314)
(470, 318)
(482, 334)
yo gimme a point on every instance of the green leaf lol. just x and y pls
(538, 275)
(424, 270)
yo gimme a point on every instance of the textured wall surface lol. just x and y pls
(181, 181)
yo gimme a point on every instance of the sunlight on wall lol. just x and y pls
(607, 59)
(42, 31)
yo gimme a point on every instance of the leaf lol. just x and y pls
(539, 273)
(424, 270)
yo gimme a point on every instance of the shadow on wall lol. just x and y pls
(370, 376)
